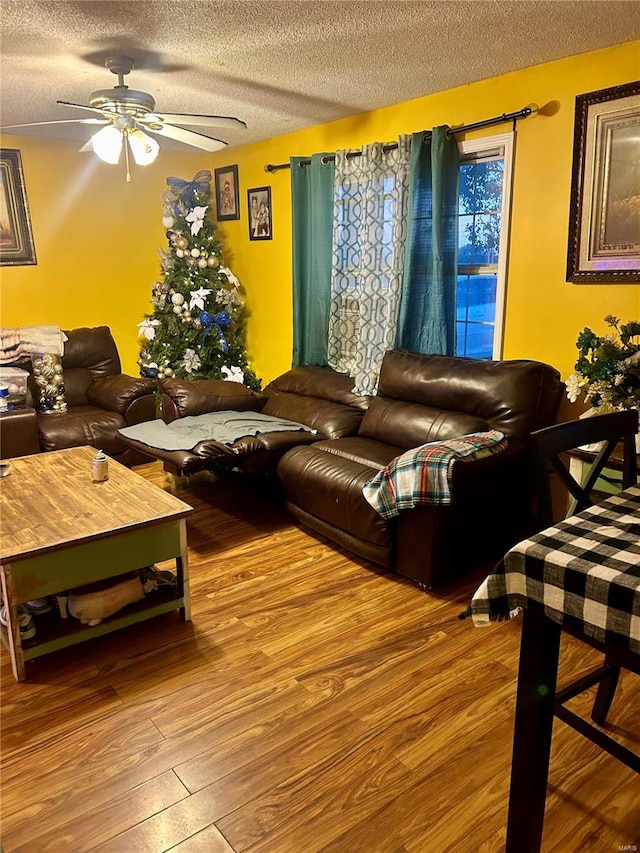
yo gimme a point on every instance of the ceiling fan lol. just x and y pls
(128, 116)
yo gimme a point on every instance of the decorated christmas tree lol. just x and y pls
(197, 328)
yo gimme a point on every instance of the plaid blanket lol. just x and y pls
(422, 475)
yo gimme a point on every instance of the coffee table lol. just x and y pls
(60, 530)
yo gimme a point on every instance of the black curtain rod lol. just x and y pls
(523, 113)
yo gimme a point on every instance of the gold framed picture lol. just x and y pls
(604, 222)
(16, 238)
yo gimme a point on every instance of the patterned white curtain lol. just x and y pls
(369, 236)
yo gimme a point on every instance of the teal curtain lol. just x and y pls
(427, 310)
(312, 218)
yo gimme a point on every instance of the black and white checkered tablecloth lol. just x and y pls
(585, 571)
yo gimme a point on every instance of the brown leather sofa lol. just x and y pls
(99, 397)
(426, 398)
(421, 398)
(317, 397)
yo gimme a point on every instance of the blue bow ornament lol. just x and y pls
(215, 321)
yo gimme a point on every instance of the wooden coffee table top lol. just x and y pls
(49, 501)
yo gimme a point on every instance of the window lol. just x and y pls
(485, 183)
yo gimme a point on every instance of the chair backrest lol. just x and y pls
(610, 430)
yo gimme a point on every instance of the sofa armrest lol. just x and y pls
(116, 393)
(490, 511)
(182, 398)
(19, 433)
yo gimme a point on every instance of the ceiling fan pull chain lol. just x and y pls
(126, 156)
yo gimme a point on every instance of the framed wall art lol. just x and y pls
(16, 238)
(604, 219)
(260, 226)
(227, 193)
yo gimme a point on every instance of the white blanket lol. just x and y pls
(224, 427)
(24, 340)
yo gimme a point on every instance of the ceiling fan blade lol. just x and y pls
(84, 107)
(202, 121)
(62, 121)
(189, 137)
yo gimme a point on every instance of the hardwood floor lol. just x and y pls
(313, 705)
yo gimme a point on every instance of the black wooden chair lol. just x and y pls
(615, 431)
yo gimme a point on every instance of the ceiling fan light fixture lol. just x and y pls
(143, 147)
(107, 144)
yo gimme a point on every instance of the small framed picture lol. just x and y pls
(260, 227)
(227, 194)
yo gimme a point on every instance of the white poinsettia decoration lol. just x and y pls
(191, 361)
(230, 276)
(196, 218)
(147, 329)
(232, 374)
(198, 298)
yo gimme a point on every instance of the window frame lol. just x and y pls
(500, 145)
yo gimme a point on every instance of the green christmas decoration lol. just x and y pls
(197, 328)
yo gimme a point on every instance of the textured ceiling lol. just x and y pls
(281, 66)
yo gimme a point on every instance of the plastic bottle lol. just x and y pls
(100, 468)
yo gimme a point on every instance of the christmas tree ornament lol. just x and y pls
(177, 309)
(168, 221)
(202, 263)
(177, 299)
(48, 378)
(147, 329)
(233, 374)
(195, 253)
(198, 298)
(196, 218)
(213, 261)
(179, 253)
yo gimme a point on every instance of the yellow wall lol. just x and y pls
(544, 312)
(97, 238)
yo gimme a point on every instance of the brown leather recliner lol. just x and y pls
(425, 398)
(318, 397)
(99, 397)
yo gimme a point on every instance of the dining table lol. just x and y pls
(581, 576)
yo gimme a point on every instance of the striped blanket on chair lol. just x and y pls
(422, 475)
